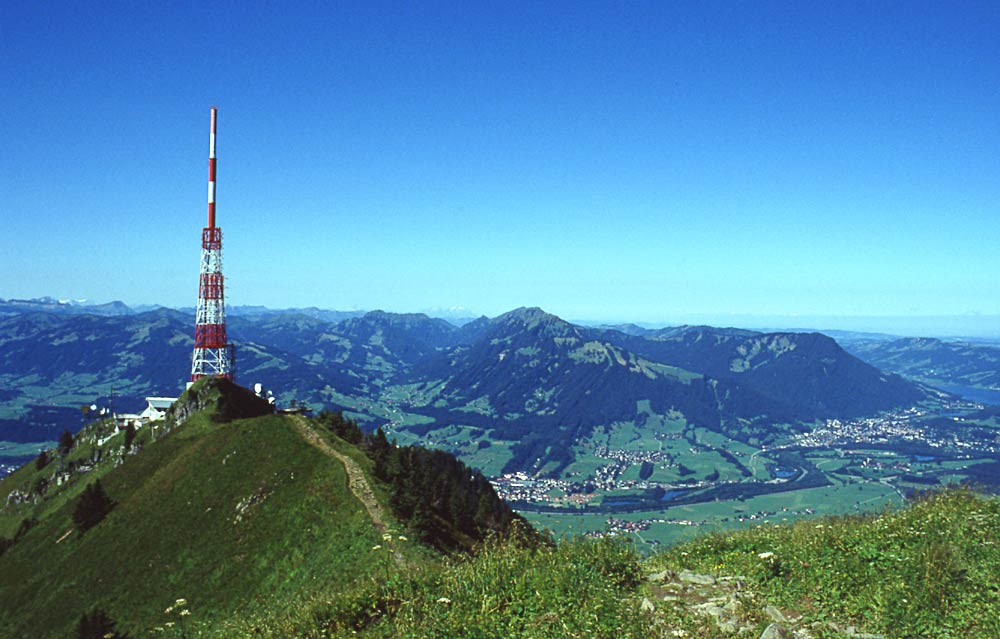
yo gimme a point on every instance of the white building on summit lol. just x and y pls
(156, 408)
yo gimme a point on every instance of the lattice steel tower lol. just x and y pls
(213, 354)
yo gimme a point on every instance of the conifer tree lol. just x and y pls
(129, 436)
(97, 625)
(65, 443)
(93, 506)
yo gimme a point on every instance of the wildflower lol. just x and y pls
(444, 600)
(387, 537)
(377, 547)
(766, 555)
(402, 538)
(169, 624)
(169, 610)
(185, 613)
(181, 602)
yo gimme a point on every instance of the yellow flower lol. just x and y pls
(377, 547)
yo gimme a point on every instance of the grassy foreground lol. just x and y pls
(931, 569)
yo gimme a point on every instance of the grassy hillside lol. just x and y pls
(218, 515)
(232, 510)
(220, 518)
(929, 570)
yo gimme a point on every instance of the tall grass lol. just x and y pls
(582, 588)
(929, 570)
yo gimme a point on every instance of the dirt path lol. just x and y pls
(356, 479)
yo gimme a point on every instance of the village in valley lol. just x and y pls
(859, 463)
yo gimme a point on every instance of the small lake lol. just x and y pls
(670, 494)
(620, 501)
(978, 395)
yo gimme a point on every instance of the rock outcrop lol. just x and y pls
(726, 603)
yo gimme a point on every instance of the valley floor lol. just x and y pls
(668, 482)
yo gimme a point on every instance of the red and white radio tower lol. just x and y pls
(213, 354)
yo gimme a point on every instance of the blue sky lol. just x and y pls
(652, 162)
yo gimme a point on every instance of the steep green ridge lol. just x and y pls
(219, 515)
(228, 514)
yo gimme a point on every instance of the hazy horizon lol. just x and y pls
(942, 326)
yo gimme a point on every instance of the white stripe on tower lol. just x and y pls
(211, 139)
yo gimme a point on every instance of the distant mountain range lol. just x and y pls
(83, 307)
(527, 378)
(941, 363)
(62, 307)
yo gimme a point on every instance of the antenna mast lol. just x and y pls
(213, 354)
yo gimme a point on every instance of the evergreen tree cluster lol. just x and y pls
(448, 504)
(93, 506)
(26, 525)
(344, 428)
(98, 625)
